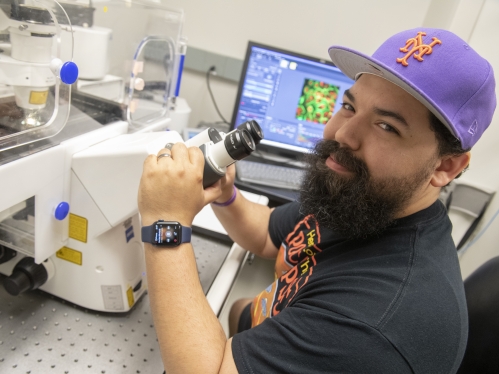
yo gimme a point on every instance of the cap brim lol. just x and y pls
(353, 63)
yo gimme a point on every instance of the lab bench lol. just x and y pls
(41, 333)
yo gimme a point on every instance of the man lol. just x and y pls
(367, 275)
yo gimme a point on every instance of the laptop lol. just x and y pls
(291, 96)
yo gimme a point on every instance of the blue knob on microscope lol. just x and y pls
(62, 211)
(69, 72)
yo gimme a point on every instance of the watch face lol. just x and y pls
(167, 234)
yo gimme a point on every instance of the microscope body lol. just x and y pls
(101, 264)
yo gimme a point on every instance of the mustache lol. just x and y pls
(343, 156)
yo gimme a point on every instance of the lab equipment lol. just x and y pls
(34, 81)
(70, 166)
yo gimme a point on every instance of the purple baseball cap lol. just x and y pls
(440, 70)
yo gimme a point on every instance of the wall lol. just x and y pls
(484, 172)
(225, 26)
(483, 39)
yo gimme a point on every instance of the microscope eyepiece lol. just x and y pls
(254, 130)
(239, 144)
(221, 150)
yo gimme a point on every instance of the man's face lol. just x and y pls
(375, 163)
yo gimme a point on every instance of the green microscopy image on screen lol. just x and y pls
(317, 101)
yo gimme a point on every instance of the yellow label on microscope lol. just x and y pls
(70, 255)
(131, 299)
(78, 228)
(38, 97)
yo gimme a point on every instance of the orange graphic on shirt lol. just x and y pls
(301, 242)
(261, 305)
(293, 268)
(291, 282)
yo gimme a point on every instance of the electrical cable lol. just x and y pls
(208, 74)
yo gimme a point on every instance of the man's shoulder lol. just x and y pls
(430, 297)
(427, 233)
(434, 216)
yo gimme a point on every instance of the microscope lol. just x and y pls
(220, 150)
(71, 150)
(71, 154)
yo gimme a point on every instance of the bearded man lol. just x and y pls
(367, 274)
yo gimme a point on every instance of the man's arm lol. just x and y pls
(190, 336)
(246, 222)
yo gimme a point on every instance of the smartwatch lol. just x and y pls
(166, 234)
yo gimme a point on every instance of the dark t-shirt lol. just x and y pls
(389, 304)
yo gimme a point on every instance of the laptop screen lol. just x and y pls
(290, 95)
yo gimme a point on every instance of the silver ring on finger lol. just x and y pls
(164, 155)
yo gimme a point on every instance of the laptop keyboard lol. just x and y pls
(269, 175)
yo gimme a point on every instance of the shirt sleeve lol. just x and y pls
(282, 221)
(304, 339)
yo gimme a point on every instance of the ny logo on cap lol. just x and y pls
(418, 48)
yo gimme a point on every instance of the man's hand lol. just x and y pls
(222, 190)
(171, 187)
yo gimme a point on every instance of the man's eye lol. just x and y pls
(346, 106)
(388, 128)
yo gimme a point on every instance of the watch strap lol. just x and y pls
(147, 233)
(186, 234)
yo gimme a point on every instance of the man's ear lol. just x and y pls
(449, 168)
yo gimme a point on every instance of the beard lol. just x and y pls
(357, 206)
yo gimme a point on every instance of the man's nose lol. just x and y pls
(349, 133)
